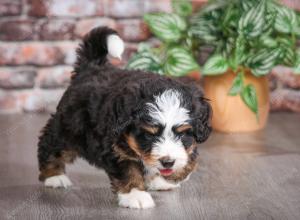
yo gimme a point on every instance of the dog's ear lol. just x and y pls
(201, 114)
(114, 115)
(126, 111)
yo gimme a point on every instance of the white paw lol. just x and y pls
(159, 183)
(58, 181)
(136, 199)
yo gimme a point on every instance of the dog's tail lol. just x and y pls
(97, 44)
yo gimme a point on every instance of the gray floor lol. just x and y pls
(247, 176)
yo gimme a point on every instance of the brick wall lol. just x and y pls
(38, 40)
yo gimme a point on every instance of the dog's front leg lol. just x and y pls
(129, 186)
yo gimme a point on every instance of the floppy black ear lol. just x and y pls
(114, 116)
(201, 113)
(126, 110)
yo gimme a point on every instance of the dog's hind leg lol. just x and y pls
(52, 157)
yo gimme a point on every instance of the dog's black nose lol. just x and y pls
(167, 163)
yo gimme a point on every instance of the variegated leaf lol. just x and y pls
(262, 62)
(252, 23)
(145, 61)
(286, 20)
(249, 97)
(179, 62)
(182, 7)
(167, 27)
(215, 65)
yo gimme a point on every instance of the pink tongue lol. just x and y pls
(166, 172)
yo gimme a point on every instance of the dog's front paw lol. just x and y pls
(58, 181)
(136, 199)
(159, 183)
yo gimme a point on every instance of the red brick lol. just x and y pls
(157, 6)
(125, 8)
(133, 30)
(197, 4)
(34, 53)
(54, 77)
(37, 53)
(59, 29)
(17, 78)
(9, 102)
(286, 76)
(166, 5)
(37, 8)
(285, 99)
(75, 8)
(153, 42)
(85, 25)
(17, 30)
(273, 83)
(68, 49)
(29, 100)
(40, 100)
(295, 4)
(10, 7)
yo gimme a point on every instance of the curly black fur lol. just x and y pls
(104, 103)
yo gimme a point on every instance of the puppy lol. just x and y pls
(141, 128)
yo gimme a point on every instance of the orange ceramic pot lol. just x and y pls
(230, 114)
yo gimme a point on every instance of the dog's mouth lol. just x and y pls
(166, 172)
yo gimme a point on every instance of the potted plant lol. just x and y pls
(248, 38)
(176, 54)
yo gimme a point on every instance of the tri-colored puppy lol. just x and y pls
(141, 128)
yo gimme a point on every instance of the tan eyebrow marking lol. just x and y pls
(150, 129)
(183, 128)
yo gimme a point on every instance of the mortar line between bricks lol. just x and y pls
(40, 41)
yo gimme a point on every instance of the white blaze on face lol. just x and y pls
(168, 112)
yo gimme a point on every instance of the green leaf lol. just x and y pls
(167, 27)
(143, 47)
(215, 65)
(227, 48)
(182, 7)
(286, 20)
(268, 41)
(296, 68)
(288, 55)
(239, 53)
(253, 22)
(179, 62)
(247, 5)
(215, 5)
(237, 85)
(263, 61)
(297, 30)
(270, 20)
(204, 29)
(145, 61)
(249, 97)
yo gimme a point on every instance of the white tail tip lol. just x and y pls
(115, 46)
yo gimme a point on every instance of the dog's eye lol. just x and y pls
(187, 132)
(183, 129)
(150, 131)
(187, 140)
(147, 135)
